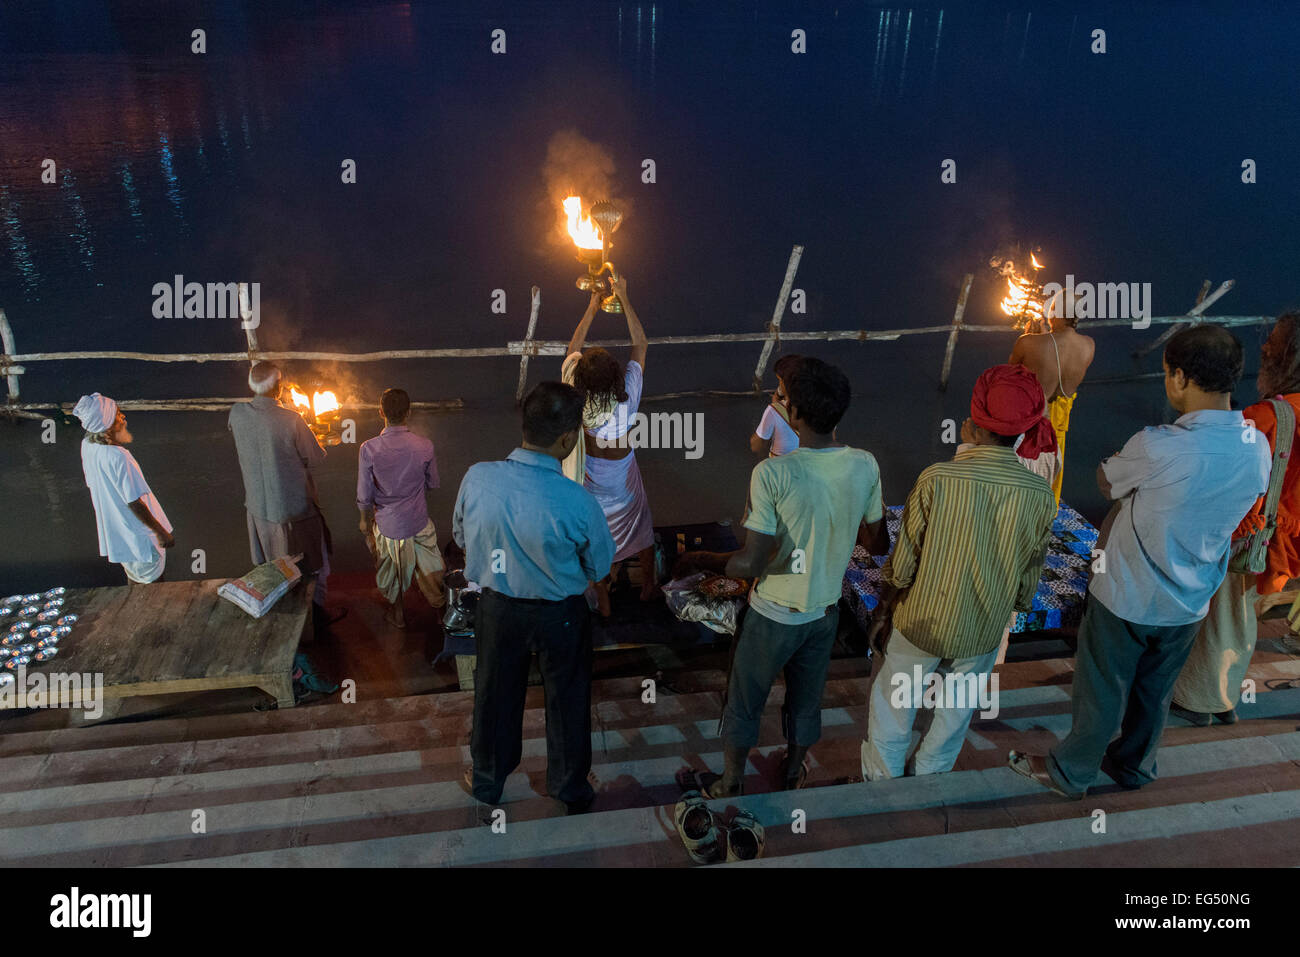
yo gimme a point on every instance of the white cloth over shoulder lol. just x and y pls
(773, 425)
(616, 483)
(115, 481)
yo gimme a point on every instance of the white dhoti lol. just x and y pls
(616, 483)
(399, 560)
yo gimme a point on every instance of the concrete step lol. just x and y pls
(672, 724)
(335, 714)
(903, 819)
(1044, 843)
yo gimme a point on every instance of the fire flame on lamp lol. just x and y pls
(320, 412)
(591, 234)
(1023, 301)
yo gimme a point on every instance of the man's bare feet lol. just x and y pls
(395, 616)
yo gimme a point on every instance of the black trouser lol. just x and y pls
(508, 631)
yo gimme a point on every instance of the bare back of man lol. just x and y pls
(1037, 353)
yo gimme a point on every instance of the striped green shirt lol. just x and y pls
(971, 547)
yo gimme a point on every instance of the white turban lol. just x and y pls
(96, 412)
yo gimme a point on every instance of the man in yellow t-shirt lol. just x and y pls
(809, 509)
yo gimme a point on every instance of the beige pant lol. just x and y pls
(1210, 681)
(401, 559)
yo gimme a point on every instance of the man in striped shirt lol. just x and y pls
(971, 547)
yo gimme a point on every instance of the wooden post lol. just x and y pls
(11, 371)
(956, 328)
(246, 313)
(528, 338)
(1203, 302)
(774, 328)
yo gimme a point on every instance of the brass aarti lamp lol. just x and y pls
(591, 235)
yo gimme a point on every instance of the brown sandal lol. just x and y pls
(1034, 767)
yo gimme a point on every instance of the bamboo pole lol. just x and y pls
(11, 371)
(555, 347)
(246, 313)
(774, 327)
(1203, 302)
(211, 405)
(528, 336)
(957, 315)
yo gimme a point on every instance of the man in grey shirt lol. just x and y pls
(533, 540)
(276, 453)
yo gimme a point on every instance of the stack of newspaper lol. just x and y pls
(261, 588)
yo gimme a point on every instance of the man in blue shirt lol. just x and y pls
(1181, 491)
(533, 540)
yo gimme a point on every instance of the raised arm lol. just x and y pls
(639, 341)
(580, 334)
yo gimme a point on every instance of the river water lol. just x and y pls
(226, 165)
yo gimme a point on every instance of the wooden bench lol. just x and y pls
(172, 637)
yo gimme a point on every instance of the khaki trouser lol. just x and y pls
(1210, 682)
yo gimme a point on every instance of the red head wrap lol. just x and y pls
(1009, 401)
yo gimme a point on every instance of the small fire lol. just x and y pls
(1023, 301)
(299, 399)
(582, 229)
(321, 402)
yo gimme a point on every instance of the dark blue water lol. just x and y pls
(1124, 166)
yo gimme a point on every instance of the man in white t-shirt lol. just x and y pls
(133, 529)
(774, 426)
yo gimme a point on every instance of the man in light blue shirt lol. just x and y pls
(1181, 491)
(533, 540)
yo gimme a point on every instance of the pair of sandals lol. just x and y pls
(708, 839)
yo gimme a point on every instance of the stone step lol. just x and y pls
(858, 817)
(1045, 842)
(122, 780)
(332, 714)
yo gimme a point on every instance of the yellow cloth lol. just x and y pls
(1210, 681)
(1058, 411)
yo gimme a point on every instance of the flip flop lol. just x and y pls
(688, 779)
(1034, 767)
(745, 841)
(698, 829)
(796, 781)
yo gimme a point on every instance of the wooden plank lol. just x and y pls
(172, 637)
(774, 327)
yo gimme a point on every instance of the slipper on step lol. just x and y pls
(745, 840)
(796, 781)
(1034, 767)
(698, 829)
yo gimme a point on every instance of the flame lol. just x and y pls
(322, 402)
(1019, 301)
(582, 229)
(298, 398)
(1034, 259)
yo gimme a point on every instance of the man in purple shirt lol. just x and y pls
(393, 471)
